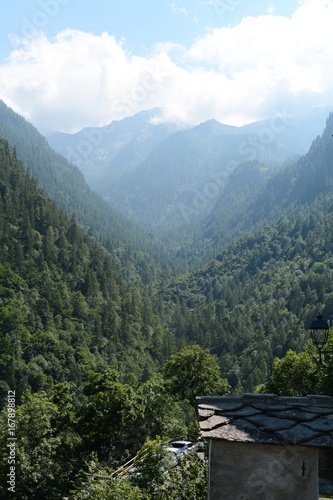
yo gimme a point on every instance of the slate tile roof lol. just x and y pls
(267, 419)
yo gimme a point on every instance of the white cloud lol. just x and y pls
(235, 75)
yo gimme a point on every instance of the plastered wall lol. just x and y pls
(245, 471)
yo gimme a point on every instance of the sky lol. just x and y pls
(69, 64)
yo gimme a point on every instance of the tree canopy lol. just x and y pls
(193, 371)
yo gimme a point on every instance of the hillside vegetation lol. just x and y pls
(65, 308)
(136, 252)
(106, 341)
(257, 298)
(80, 348)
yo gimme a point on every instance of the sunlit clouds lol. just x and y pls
(236, 74)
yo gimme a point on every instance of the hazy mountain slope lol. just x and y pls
(253, 196)
(302, 182)
(166, 180)
(295, 133)
(67, 187)
(105, 153)
(257, 298)
(184, 173)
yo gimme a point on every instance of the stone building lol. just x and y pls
(262, 446)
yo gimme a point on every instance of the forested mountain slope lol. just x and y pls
(105, 153)
(171, 180)
(257, 298)
(79, 351)
(136, 251)
(64, 309)
(181, 170)
(254, 196)
(84, 348)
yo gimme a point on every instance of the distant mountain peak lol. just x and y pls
(216, 128)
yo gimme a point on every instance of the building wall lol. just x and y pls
(246, 471)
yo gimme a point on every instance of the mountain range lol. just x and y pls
(66, 185)
(268, 214)
(233, 262)
(162, 177)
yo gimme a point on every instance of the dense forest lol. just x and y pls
(106, 340)
(137, 252)
(55, 279)
(80, 347)
(254, 196)
(257, 299)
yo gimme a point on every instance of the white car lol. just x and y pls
(181, 447)
(174, 452)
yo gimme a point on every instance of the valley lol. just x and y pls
(166, 263)
(166, 179)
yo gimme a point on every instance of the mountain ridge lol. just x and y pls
(254, 196)
(66, 185)
(143, 184)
